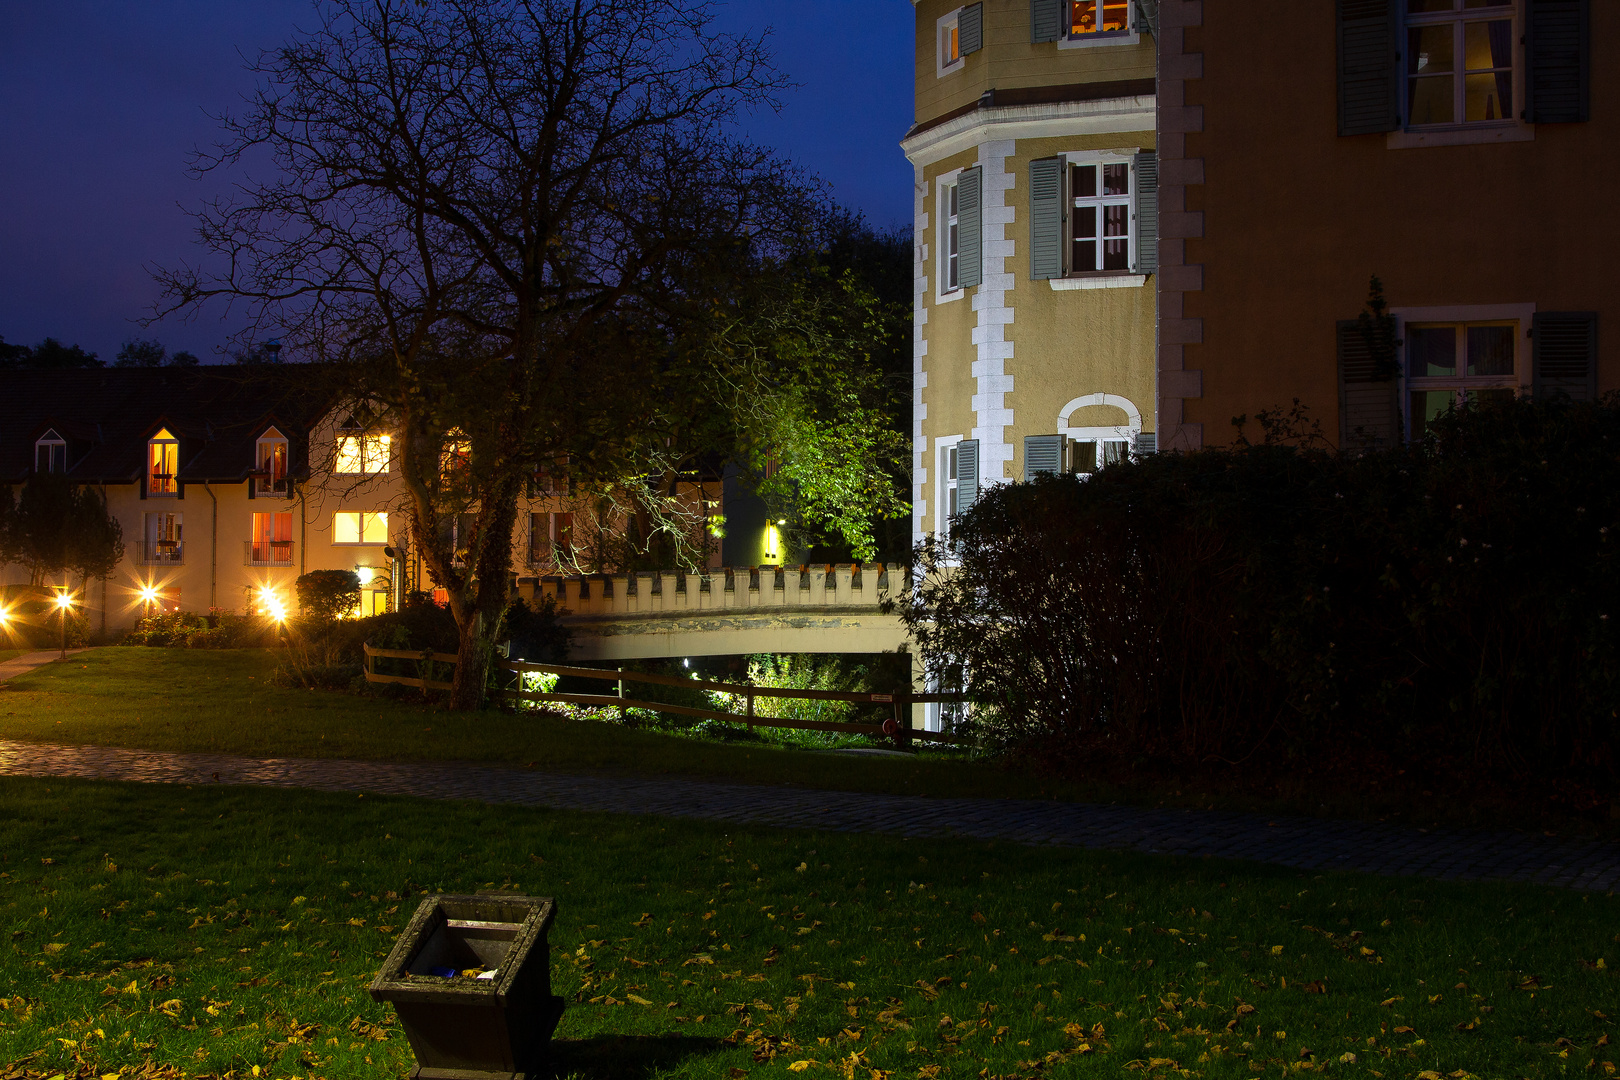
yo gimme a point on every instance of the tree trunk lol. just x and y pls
(473, 652)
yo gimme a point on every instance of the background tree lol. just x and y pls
(484, 207)
(150, 354)
(49, 353)
(326, 595)
(57, 526)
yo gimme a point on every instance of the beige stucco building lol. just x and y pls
(1035, 206)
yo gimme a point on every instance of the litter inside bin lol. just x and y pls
(471, 948)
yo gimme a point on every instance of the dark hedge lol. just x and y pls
(1454, 599)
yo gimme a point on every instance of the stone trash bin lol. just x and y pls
(470, 978)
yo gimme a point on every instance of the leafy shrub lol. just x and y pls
(326, 595)
(166, 629)
(1451, 600)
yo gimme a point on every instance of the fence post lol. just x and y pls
(621, 694)
(750, 707)
(902, 717)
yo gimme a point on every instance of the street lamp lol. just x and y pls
(149, 596)
(63, 602)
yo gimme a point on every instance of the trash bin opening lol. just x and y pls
(463, 944)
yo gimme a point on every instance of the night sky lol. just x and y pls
(102, 103)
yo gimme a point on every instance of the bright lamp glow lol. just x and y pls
(365, 574)
(149, 594)
(273, 604)
(63, 600)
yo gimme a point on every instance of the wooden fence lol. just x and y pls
(899, 727)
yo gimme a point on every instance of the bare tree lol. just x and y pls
(488, 211)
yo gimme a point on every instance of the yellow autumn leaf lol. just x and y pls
(1348, 1057)
(1276, 950)
(637, 999)
(800, 1066)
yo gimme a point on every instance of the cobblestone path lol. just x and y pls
(1302, 843)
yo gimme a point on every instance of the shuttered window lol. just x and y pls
(1558, 54)
(971, 28)
(1043, 454)
(1092, 214)
(1046, 218)
(1455, 364)
(1046, 20)
(970, 221)
(967, 474)
(1369, 401)
(1368, 71)
(1564, 355)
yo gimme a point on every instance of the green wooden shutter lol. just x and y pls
(1042, 454)
(1369, 70)
(1045, 20)
(1147, 16)
(1563, 355)
(970, 29)
(967, 474)
(1369, 406)
(1145, 443)
(1558, 52)
(970, 227)
(1147, 212)
(1046, 218)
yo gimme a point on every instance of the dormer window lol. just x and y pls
(270, 474)
(162, 464)
(358, 453)
(50, 453)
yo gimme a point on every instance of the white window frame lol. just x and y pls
(945, 186)
(947, 28)
(1131, 35)
(944, 455)
(1099, 159)
(57, 450)
(264, 459)
(360, 528)
(1122, 434)
(1463, 315)
(170, 445)
(1457, 18)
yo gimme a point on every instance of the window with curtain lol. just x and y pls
(1088, 17)
(1460, 59)
(1453, 364)
(162, 464)
(360, 528)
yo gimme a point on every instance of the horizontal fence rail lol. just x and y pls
(902, 702)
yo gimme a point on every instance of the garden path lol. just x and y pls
(29, 661)
(1297, 842)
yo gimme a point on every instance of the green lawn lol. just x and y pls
(219, 929)
(11, 654)
(222, 701)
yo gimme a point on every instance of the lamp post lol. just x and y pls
(63, 602)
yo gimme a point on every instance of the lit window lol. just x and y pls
(949, 58)
(360, 528)
(272, 543)
(551, 539)
(1453, 364)
(270, 458)
(456, 461)
(50, 453)
(362, 455)
(1089, 455)
(162, 539)
(1088, 17)
(162, 464)
(1459, 62)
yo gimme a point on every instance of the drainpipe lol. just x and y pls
(213, 548)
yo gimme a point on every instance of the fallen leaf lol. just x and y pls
(800, 1066)
(637, 999)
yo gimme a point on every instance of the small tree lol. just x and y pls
(326, 595)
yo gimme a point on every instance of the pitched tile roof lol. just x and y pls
(108, 414)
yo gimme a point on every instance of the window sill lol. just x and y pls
(359, 543)
(1092, 41)
(945, 71)
(947, 297)
(1100, 281)
(1461, 135)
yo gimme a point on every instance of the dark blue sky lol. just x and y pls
(101, 103)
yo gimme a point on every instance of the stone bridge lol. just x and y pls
(726, 612)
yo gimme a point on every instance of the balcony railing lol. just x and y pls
(160, 552)
(267, 552)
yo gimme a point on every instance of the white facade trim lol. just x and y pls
(1116, 281)
(1133, 417)
(941, 245)
(919, 357)
(992, 381)
(1013, 122)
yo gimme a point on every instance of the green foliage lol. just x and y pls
(187, 630)
(221, 930)
(327, 595)
(137, 352)
(57, 526)
(1452, 603)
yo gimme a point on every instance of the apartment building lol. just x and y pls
(230, 483)
(1034, 155)
(1459, 150)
